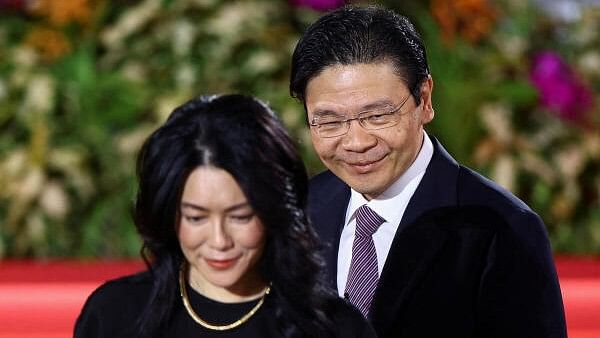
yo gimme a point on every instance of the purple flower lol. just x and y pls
(318, 5)
(559, 88)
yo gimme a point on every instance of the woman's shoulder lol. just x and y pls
(348, 320)
(113, 291)
(114, 304)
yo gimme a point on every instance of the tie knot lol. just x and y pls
(367, 221)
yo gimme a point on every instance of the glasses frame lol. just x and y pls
(361, 118)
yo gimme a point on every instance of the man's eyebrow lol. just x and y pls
(379, 104)
(385, 103)
(326, 112)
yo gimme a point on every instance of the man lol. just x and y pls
(423, 246)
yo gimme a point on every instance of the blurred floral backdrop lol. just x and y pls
(83, 82)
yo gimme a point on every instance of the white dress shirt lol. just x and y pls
(390, 205)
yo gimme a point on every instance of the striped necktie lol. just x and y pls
(363, 274)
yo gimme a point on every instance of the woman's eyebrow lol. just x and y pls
(194, 206)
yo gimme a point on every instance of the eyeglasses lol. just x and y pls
(334, 126)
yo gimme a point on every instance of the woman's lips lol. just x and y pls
(221, 264)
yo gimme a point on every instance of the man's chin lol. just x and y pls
(366, 188)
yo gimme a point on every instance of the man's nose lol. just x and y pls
(358, 139)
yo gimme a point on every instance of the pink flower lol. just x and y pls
(318, 5)
(559, 88)
(12, 4)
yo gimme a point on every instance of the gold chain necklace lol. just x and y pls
(197, 319)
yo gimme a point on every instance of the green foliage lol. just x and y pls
(77, 99)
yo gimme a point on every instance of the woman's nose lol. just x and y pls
(219, 238)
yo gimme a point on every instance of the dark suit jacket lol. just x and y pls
(468, 260)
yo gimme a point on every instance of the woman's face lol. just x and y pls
(220, 235)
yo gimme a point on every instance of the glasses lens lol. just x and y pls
(378, 120)
(331, 128)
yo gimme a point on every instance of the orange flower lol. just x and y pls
(471, 19)
(51, 44)
(60, 13)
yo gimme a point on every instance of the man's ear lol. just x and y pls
(426, 91)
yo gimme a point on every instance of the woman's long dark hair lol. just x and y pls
(242, 136)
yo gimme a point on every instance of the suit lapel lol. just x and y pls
(417, 240)
(437, 188)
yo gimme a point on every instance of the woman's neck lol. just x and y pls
(249, 288)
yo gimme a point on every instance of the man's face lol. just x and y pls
(369, 161)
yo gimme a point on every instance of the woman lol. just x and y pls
(221, 211)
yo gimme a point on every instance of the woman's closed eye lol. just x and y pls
(241, 218)
(195, 219)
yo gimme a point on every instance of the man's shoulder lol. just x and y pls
(473, 187)
(518, 218)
